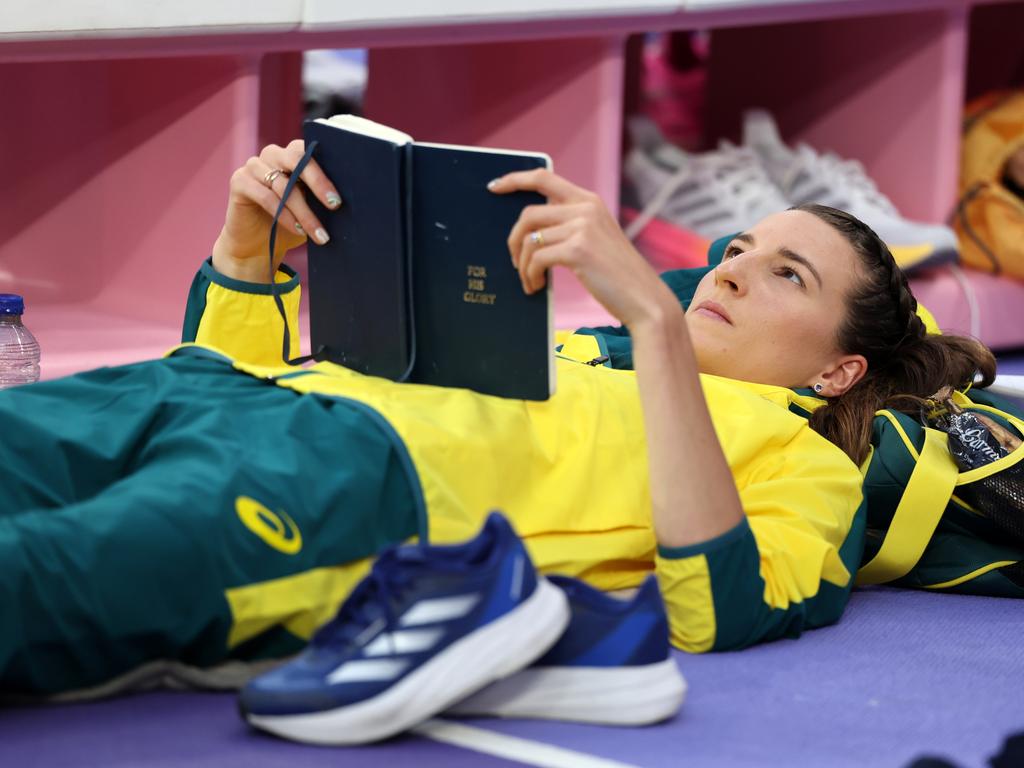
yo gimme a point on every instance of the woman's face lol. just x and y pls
(770, 312)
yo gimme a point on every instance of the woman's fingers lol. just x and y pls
(576, 230)
(296, 203)
(240, 250)
(552, 186)
(540, 240)
(286, 158)
(537, 217)
(268, 200)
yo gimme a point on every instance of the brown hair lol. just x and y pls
(906, 364)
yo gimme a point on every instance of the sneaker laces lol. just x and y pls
(740, 171)
(660, 199)
(737, 169)
(369, 609)
(847, 175)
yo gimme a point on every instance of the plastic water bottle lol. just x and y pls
(19, 350)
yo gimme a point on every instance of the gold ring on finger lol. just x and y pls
(269, 177)
(537, 238)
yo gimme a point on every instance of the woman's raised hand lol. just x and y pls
(575, 229)
(241, 249)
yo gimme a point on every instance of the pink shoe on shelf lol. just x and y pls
(667, 246)
(674, 99)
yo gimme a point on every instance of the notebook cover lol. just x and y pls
(475, 327)
(358, 282)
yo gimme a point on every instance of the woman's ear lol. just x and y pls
(846, 372)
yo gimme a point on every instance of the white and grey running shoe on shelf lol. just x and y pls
(712, 193)
(806, 176)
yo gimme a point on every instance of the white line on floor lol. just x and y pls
(511, 747)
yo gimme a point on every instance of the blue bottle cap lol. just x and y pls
(11, 304)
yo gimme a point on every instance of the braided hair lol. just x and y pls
(905, 364)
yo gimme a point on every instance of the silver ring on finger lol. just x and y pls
(537, 238)
(269, 176)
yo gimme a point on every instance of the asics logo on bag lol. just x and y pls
(277, 530)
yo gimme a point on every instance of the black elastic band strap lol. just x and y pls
(318, 355)
(410, 309)
(961, 212)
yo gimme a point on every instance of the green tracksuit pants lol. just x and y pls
(133, 499)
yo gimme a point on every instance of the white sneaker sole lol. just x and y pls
(603, 695)
(516, 639)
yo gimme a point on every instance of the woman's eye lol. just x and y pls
(789, 274)
(731, 251)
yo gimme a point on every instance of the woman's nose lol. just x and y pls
(732, 273)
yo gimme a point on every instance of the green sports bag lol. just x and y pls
(930, 525)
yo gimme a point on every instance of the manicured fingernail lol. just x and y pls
(299, 229)
(493, 183)
(321, 236)
(333, 199)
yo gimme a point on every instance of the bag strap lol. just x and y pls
(961, 214)
(924, 500)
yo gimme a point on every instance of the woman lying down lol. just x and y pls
(214, 505)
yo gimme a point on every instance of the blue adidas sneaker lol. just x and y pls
(428, 626)
(612, 666)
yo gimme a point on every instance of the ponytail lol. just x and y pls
(917, 370)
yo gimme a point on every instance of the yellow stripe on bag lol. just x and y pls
(972, 575)
(918, 514)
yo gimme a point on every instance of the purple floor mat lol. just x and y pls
(1012, 365)
(193, 730)
(904, 674)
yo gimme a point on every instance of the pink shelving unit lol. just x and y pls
(117, 149)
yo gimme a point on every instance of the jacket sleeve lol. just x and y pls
(788, 565)
(240, 319)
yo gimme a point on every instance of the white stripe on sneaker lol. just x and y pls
(439, 609)
(517, 579)
(368, 670)
(403, 641)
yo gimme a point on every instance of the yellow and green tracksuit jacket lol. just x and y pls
(571, 474)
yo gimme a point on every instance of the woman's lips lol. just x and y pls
(714, 310)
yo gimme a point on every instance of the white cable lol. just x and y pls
(520, 750)
(653, 208)
(973, 309)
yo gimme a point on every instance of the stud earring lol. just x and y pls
(818, 387)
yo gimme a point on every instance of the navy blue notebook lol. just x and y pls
(416, 283)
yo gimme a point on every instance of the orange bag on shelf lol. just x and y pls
(989, 219)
